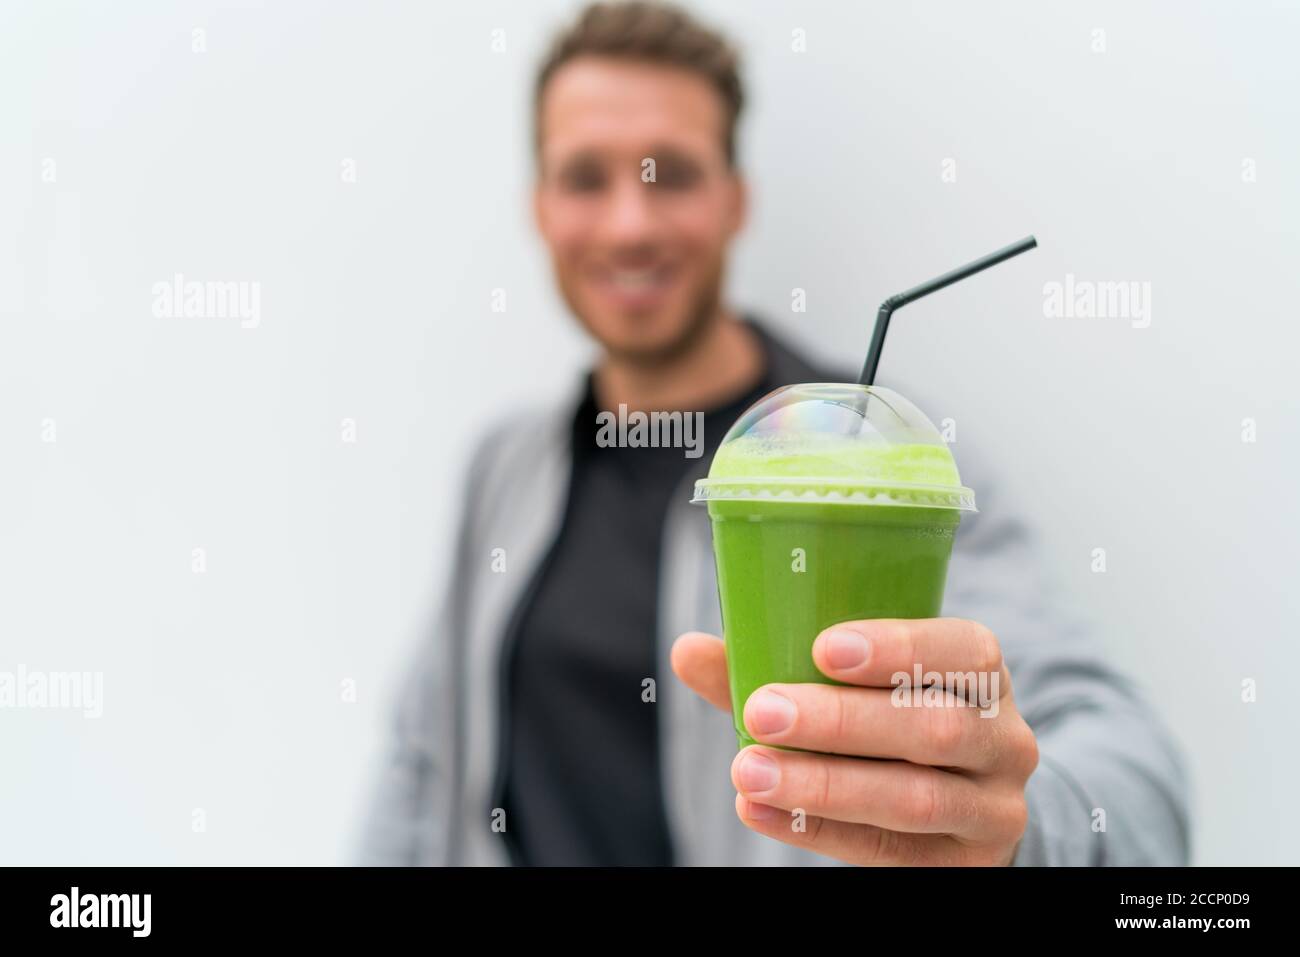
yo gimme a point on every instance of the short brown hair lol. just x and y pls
(652, 32)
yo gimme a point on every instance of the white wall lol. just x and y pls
(222, 690)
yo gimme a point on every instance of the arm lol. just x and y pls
(1101, 746)
(408, 819)
(405, 823)
(1019, 783)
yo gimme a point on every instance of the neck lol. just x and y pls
(725, 361)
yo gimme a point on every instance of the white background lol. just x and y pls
(222, 690)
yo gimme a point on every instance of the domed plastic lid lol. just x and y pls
(835, 442)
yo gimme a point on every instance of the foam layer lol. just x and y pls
(812, 457)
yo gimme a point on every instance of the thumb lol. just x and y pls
(700, 660)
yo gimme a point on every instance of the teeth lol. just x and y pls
(637, 278)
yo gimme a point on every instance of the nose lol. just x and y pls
(630, 215)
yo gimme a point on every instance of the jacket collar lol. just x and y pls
(785, 366)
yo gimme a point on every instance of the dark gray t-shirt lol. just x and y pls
(582, 781)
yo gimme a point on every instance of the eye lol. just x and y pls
(675, 174)
(583, 178)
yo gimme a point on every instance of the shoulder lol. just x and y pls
(513, 444)
(787, 363)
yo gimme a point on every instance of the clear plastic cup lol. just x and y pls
(829, 502)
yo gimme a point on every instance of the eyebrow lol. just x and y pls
(658, 152)
(669, 151)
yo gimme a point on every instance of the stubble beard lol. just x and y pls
(704, 311)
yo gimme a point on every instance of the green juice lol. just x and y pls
(813, 530)
(788, 570)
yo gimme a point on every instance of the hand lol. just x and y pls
(924, 779)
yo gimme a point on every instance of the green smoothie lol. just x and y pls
(825, 510)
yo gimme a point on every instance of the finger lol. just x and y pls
(700, 660)
(877, 652)
(863, 844)
(894, 795)
(867, 722)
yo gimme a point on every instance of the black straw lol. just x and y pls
(934, 285)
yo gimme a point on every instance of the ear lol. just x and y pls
(739, 205)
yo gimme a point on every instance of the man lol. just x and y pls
(525, 734)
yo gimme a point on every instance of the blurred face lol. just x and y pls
(639, 262)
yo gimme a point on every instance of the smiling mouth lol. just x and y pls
(648, 279)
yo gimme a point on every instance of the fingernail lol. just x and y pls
(768, 712)
(760, 812)
(757, 772)
(845, 649)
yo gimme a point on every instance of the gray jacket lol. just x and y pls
(1101, 746)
